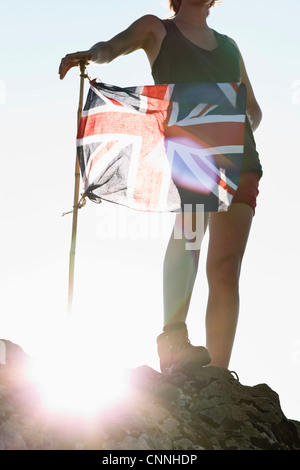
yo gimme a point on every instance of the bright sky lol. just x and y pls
(119, 256)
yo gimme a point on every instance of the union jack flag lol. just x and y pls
(160, 147)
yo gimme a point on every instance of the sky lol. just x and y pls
(119, 253)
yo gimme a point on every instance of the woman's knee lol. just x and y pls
(224, 273)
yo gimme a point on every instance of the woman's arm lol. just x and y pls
(253, 109)
(138, 36)
(254, 112)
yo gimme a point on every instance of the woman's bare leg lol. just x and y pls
(180, 269)
(181, 265)
(227, 242)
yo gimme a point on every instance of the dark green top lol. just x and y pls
(181, 61)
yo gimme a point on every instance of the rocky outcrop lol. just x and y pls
(208, 411)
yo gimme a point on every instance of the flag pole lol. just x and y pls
(83, 75)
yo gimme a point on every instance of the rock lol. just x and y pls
(208, 411)
(12, 354)
(13, 361)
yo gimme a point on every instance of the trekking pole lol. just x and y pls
(76, 205)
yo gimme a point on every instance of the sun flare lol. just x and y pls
(74, 380)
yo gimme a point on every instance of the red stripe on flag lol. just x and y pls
(119, 123)
(202, 112)
(115, 102)
(157, 92)
(226, 186)
(235, 86)
(209, 135)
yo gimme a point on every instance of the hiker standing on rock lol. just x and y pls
(184, 49)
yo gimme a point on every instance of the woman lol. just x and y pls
(184, 49)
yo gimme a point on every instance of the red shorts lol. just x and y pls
(247, 191)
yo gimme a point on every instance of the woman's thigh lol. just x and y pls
(228, 236)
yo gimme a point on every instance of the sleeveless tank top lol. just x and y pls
(181, 61)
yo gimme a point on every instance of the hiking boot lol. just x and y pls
(176, 353)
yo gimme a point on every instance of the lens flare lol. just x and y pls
(192, 165)
(79, 379)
